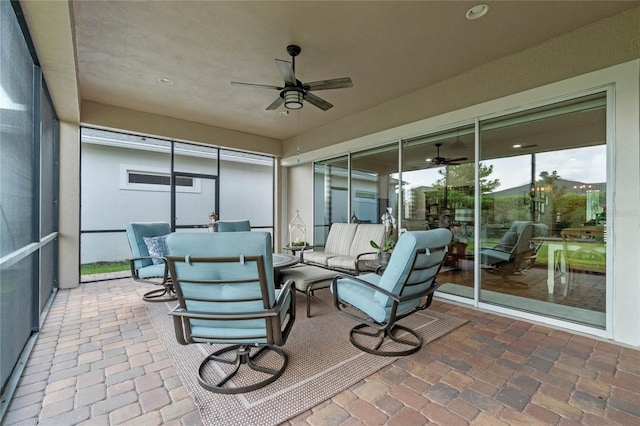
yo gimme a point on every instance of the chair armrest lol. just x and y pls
(395, 298)
(286, 288)
(308, 248)
(134, 270)
(357, 261)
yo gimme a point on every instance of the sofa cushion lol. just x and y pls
(318, 257)
(365, 233)
(342, 262)
(340, 238)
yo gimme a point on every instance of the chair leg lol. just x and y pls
(242, 356)
(414, 344)
(164, 294)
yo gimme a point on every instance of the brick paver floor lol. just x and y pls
(98, 361)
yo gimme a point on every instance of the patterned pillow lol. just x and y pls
(157, 247)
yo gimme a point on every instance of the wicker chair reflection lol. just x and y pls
(407, 285)
(147, 268)
(226, 295)
(585, 251)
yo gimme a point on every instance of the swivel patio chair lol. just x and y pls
(407, 285)
(511, 254)
(226, 295)
(148, 265)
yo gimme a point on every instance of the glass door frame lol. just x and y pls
(607, 331)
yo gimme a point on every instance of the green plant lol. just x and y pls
(388, 245)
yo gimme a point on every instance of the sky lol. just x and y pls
(588, 165)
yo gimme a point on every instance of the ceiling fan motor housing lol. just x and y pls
(293, 50)
(294, 91)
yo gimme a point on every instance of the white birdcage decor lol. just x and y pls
(297, 231)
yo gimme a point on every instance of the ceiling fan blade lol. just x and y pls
(275, 104)
(286, 71)
(318, 101)
(258, 86)
(455, 160)
(335, 83)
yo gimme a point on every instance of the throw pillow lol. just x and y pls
(157, 247)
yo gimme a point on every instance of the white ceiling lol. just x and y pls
(388, 49)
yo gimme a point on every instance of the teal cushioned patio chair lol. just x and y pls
(146, 268)
(406, 285)
(233, 225)
(515, 252)
(227, 295)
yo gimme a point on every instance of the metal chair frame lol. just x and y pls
(276, 333)
(389, 328)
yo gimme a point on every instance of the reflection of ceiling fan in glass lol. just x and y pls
(442, 161)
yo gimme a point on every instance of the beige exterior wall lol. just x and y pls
(110, 117)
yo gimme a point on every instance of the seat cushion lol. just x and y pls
(342, 262)
(362, 297)
(235, 331)
(318, 257)
(151, 271)
(306, 275)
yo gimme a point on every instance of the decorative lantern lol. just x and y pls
(213, 218)
(297, 232)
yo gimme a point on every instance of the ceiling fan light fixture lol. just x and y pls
(293, 99)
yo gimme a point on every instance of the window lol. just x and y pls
(158, 179)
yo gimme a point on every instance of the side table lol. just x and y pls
(295, 249)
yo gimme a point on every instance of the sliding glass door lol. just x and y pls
(524, 194)
(543, 235)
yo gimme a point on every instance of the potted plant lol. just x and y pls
(384, 251)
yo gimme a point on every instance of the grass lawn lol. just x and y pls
(103, 267)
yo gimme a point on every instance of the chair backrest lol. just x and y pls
(223, 273)
(517, 239)
(340, 238)
(137, 231)
(365, 233)
(233, 225)
(414, 264)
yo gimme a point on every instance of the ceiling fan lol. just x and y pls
(440, 161)
(294, 91)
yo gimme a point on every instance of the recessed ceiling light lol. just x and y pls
(477, 11)
(165, 80)
(517, 146)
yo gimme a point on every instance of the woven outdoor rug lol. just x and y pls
(322, 363)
